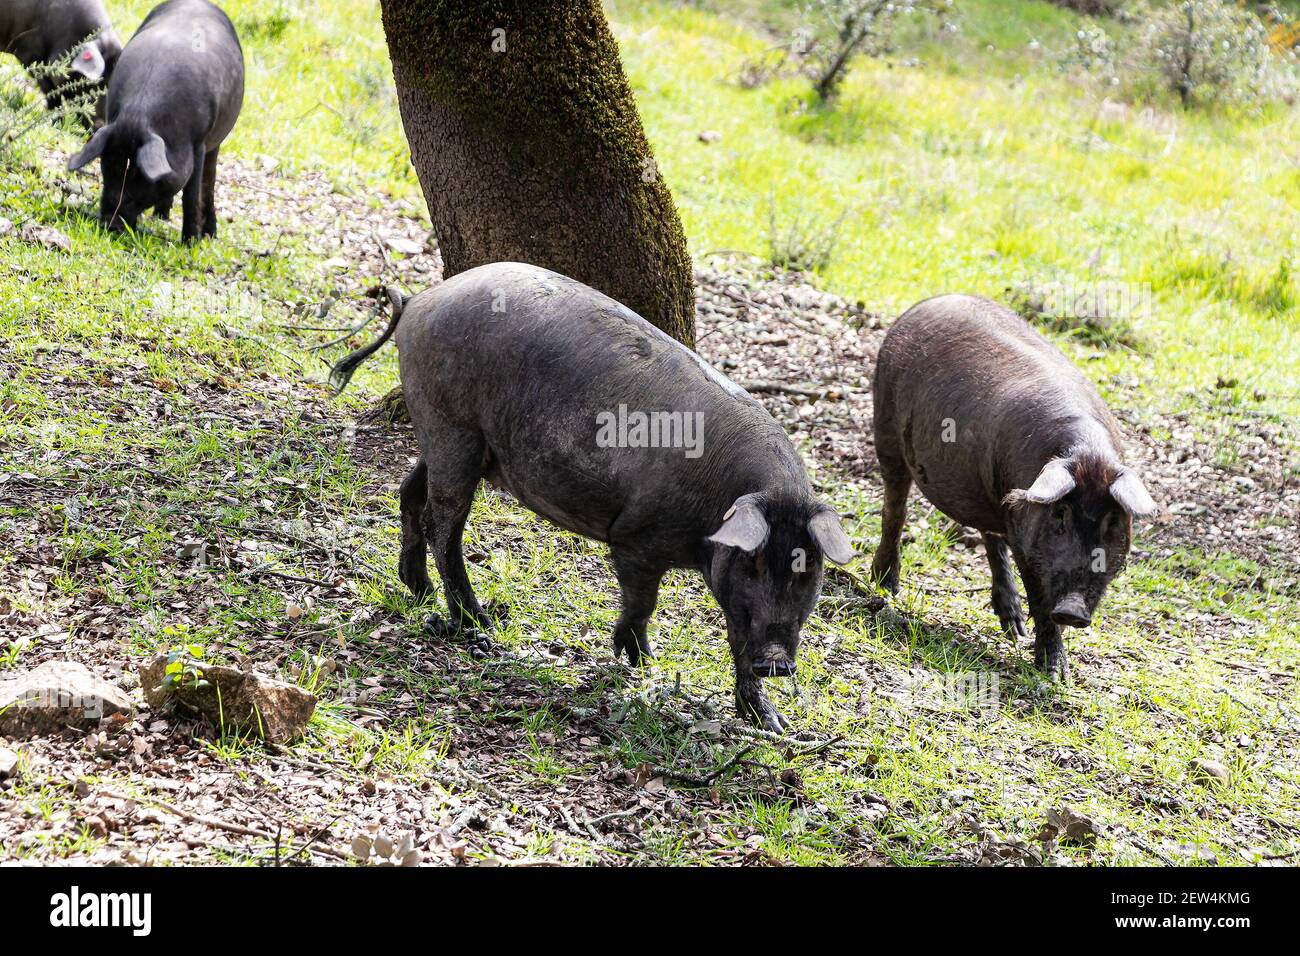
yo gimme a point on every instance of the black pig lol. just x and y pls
(173, 99)
(597, 421)
(1003, 434)
(46, 31)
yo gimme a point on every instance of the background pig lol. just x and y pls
(45, 31)
(1001, 433)
(173, 99)
(509, 371)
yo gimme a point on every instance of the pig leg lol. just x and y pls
(454, 471)
(1049, 649)
(192, 200)
(164, 208)
(898, 482)
(640, 587)
(412, 566)
(751, 702)
(1006, 600)
(210, 194)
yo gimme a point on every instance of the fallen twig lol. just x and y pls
(780, 388)
(216, 823)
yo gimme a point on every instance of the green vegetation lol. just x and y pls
(128, 430)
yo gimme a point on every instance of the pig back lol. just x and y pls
(589, 413)
(45, 30)
(183, 70)
(976, 402)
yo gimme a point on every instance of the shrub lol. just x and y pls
(1099, 314)
(1207, 51)
(835, 31)
(23, 109)
(1203, 52)
(799, 240)
(1094, 8)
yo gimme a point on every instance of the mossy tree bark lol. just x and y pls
(528, 145)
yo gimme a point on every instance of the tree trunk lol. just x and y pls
(529, 148)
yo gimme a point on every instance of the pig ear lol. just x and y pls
(92, 150)
(89, 62)
(1131, 495)
(827, 531)
(152, 158)
(743, 526)
(1053, 483)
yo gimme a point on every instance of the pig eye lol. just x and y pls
(1060, 518)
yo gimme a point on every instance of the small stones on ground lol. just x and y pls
(400, 244)
(710, 136)
(379, 849)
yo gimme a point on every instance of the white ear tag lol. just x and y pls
(89, 62)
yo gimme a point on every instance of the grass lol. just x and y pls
(978, 170)
(957, 177)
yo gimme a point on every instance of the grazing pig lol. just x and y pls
(46, 31)
(1001, 433)
(174, 98)
(597, 421)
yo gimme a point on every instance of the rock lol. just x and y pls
(1207, 772)
(407, 247)
(1065, 825)
(361, 848)
(47, 236)
(246, 701)
(8, 763)
(6, 226)
(57, 695)
(710, 136)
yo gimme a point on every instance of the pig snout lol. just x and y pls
(1072, 611)
(773, 661)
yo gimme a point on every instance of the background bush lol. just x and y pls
(1200, 52)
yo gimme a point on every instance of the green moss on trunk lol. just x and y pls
(528, 145)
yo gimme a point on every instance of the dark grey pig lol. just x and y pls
(46, 31)
(597, 421)
(173, 99)
(1003, 434)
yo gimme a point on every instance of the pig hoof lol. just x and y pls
(480, 645)
(416, 580)
(1013, 626)
(638, 651)
(1055, 667)
(886, 578)
(757, 709)
(436, 625)
(439, 626)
